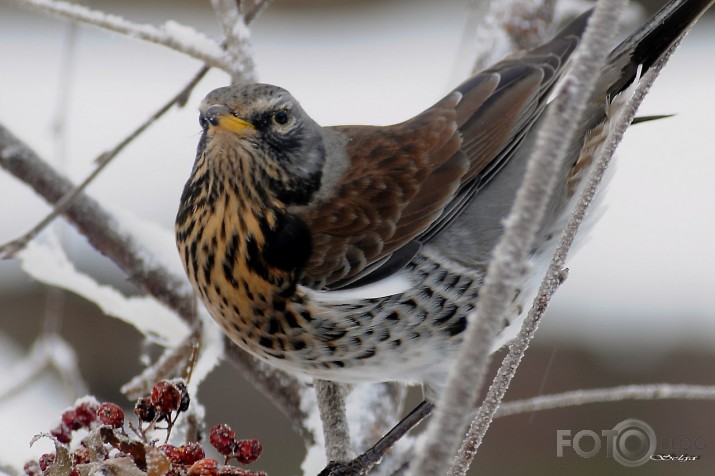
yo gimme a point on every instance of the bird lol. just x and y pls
(356, 253)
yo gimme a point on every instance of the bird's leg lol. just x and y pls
(362, 463)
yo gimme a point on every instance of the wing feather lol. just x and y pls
(406, 182)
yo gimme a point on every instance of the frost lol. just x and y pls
(158, 242)
(48, 263)
(212, 351)
(190, 38)
(172, 34)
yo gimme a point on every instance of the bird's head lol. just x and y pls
(264, 134)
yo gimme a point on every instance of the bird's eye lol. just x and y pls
(280, 118)
(203, 122)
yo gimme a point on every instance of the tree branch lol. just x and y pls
(555, 276)
(656, 391)
(511, 254)
(510, 25)
(331, 404)
(236, 40)
(10, 249)
(104, 233)
(172, 35)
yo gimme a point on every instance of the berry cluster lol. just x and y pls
(106, 447)
(224, 440)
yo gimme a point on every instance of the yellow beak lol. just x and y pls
(233, 124)
(219, 118)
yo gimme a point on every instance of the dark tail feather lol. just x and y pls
(657, 117)
(648, 44)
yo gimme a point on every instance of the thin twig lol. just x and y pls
(167, 366)
(172, 35)
(252, 9)
(92, 221)
(511, 254)
(11, 248)
(655, 391)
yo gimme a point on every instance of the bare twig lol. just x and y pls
(655, 391)
(252, 9)
(172, 35)
(10, 249)
(331, 403)
(511, 253)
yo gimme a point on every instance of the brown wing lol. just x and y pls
(407, 181)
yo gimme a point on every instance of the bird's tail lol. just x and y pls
(647, 45)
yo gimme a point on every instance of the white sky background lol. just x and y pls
(646, 273)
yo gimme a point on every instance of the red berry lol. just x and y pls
(74, 472)
(86, 413)
(171, 452)
(32, 468)
(204, 467)
(165, 397)
(223, 439)
(191, 452)
(46, 461)
(69, 419)
(248, 451)
(144, 409)
(62, 433)
(111, 414)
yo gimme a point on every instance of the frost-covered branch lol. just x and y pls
(511, 254)
(171, 34)
(49, 351)
(106, 235)
(10, 249)
(553, 279)
(331, 403)
(252, 9)
(655, 391)
(101, 229)
(509, 25)
(236, 40)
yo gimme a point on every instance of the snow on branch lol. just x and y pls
(236, 36)
(103, 232)
(631, 100)
(171, 34)
(511, 253)
(47, 263)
